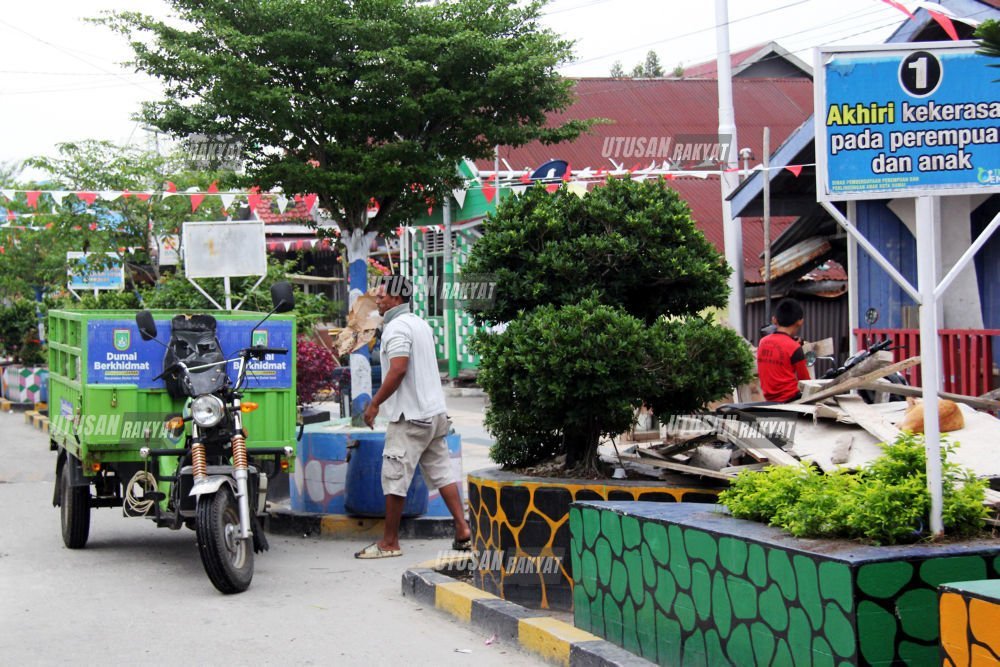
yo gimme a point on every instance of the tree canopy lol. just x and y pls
(355, 100)
(634, 245)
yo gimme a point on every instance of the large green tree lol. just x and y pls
(356, 100)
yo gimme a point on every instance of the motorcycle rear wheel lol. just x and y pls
(228, 560)
(74, 510)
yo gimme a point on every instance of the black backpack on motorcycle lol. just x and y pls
(193, 342)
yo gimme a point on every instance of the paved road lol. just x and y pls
(139, 594)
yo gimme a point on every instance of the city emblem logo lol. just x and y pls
(258, 338)
(122, 339)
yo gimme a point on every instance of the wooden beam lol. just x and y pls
(690, 470)
(856, 382)
(980, 403)
(755, 444)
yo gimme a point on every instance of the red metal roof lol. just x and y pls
(674, 108)
(710, 68)
(296, 212)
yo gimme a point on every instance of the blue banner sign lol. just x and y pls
(906, 121)
(116, 354)
(86, 276)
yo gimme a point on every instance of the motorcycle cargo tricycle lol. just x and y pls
(179, 418)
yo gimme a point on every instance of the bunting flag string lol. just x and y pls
(943, 16)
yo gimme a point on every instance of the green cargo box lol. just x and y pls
(104, 403)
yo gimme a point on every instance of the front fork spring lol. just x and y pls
(199, 463)
(239, 444)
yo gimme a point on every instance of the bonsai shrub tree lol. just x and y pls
(601, 296)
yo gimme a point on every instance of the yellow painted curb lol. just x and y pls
(444, 562)
(456, 598)
(551, 638)
(333, 525)
(29, 417)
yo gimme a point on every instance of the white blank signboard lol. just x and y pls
(220, 249)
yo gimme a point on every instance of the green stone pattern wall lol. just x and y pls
(681, 596)
(466, 327)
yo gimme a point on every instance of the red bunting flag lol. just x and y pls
(373, 207)
(254, 198)
(32, 197)
(489, 191)
(196, 200)
(87, 197)
(171, 187)
(92, 226)
(795, 169)
(399, 231)
(10, 215)
(552, 187)
(213, 188)
(945, 23)
(142, 196)
(310, 201)
(568, 174)
(526, 178)
(899, 6)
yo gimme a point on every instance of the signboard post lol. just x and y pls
(224, 250)
(917, 120)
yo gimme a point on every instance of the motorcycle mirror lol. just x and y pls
(147, 327)
(871, 316)
(810, 358)
(282, 297)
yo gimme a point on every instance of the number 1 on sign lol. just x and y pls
(920, 67)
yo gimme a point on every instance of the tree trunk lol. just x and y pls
(581, 446)
(358, 242)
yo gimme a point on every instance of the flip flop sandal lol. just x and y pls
(462, 545)
(373, 550)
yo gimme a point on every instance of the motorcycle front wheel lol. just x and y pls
(228, 560)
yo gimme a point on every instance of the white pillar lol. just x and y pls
(732, 227)
(928, 211)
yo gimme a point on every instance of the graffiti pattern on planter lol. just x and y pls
(676, 594)
(970, 623)
(531, 519)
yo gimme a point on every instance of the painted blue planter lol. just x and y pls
(363, 491)
(319, 483)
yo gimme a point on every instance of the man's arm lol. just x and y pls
(799, 365)
(397, 370)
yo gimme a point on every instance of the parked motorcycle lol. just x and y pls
(869, 396)
(218, 488)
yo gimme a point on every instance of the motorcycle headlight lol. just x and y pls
(207, 410)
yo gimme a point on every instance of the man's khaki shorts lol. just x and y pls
(409, 442)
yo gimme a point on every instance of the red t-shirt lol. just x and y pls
(780, 365)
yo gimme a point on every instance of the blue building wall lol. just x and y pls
(988, 263)
(891, 237)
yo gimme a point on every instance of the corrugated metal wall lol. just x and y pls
(824, 318)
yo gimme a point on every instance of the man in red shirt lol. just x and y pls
(780, 360)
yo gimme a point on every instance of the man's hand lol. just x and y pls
(370, 413)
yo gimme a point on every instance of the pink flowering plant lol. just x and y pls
(314, 370)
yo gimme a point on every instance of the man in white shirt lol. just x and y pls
(413, 400)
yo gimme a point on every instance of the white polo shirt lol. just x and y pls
(420, 395)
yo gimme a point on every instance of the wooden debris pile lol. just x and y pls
(828, 427)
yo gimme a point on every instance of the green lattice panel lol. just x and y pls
(683, 584)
